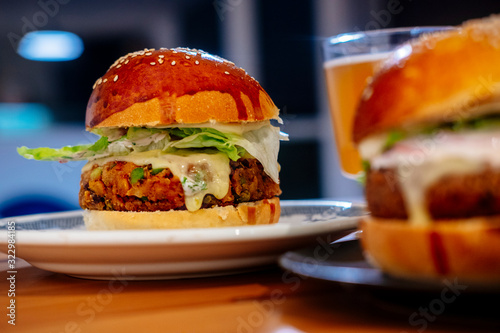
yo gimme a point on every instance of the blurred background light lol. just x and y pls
(278, 42)
(346, 38)
(21, 116)
(50, 45)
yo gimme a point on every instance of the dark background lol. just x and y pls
(288, 35)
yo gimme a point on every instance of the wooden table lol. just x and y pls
(269, 300)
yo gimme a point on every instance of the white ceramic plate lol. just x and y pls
(58, 242)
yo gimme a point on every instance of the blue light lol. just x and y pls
(50, 45)
(22, 116)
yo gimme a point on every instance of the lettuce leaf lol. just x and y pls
(206, 138)
(262, 144)
(80, 152)
(486, 122)
(393, 137)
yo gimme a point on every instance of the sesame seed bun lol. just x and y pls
(194, 188)
(440, 77)
(155, 88)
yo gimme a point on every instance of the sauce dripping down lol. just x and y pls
(251, 215)
(272, 206)
(438, 253)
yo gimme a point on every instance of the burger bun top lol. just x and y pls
(156, 88)
(446, 76)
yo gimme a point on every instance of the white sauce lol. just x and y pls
(423, 160)
(200, 173)
(237, 128)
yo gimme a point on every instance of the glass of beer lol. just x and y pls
(349, 60)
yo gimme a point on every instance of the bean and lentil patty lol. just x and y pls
(112, 187)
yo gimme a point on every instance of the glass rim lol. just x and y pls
(357, 35)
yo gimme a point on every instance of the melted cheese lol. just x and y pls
(420, 162)
(200, 173)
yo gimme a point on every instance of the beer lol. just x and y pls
(346, 78)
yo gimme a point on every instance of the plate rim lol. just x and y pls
(279, 230)
(368, 276)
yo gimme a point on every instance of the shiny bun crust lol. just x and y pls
(175, 86)
(441, 77)
(253, 213)
(468, 250)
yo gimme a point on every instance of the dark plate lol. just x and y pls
(343, 262)
(442, 304)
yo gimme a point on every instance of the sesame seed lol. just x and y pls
(105, 80)
(149, 53)
(161, 56)
(197, 62)
(226, 72)
(116, 78)
(99, 81)
(152, 63)
(134, 55)
(188, 57)
(172, 63)
(119, 65)
(95, 84)
(160, 61)
(126, 62)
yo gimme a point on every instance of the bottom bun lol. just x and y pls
(468, 249)
(260, 212)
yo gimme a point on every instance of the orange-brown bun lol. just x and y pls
(155, 88)
(465, 249)
(441, 77)
(250, 213)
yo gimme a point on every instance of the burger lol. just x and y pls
(186, 140)
(428, 130)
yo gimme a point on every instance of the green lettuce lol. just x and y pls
(393, 137)
(486, 122)
(206, 138)
(140, 139)
(80, 152)
(262, 144)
